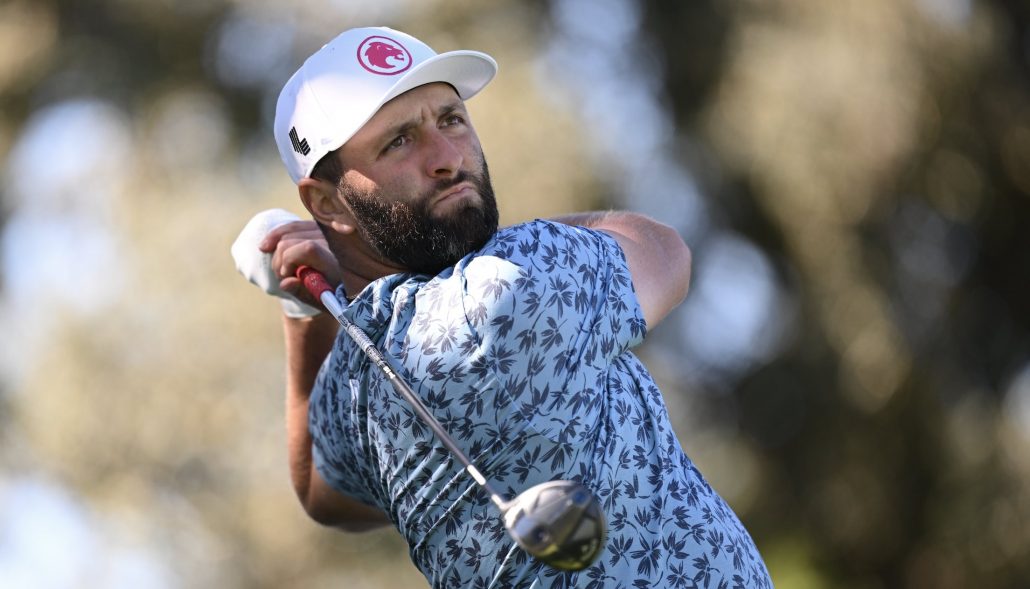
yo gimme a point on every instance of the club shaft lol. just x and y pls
(332, 304)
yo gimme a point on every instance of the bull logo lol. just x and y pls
(383, 56)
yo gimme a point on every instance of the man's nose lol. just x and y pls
(443, 158)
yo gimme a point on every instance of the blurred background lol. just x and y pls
(851, 370)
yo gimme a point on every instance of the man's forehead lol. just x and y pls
(436, 93)
(408, 107)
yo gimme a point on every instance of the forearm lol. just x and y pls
(658, 259)
(268, 251)
(589, 219)
(623, 222)
(308, 342)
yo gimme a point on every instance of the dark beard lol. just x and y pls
(402, 230)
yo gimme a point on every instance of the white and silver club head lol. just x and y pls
(559, 522)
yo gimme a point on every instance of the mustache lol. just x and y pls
(462, 176)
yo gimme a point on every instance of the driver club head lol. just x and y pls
(560, 523)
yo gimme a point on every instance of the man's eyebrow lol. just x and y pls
(450, 108)
(403, 127)
(400, 128)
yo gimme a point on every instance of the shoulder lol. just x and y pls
(544, 240)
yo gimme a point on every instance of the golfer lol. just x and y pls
(517, 339)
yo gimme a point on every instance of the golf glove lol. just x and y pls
(256, 265)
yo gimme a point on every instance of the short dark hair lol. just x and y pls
(329, 168)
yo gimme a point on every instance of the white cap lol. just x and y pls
(341, 86)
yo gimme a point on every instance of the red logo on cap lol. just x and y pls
(383, 56)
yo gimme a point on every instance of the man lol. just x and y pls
(517, 339)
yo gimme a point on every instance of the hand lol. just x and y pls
(300, 243)
(270, 248)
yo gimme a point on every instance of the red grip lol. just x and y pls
(313, 281)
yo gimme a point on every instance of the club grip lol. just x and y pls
(313, 281)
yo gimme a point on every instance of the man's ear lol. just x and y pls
(326, 205)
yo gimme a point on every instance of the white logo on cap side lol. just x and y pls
(383, 56)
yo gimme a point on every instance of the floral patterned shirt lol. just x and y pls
(521, 351)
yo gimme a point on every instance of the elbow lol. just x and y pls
(342, 513)
(679, 259)
(685, 269)
(322, 517)
(358, 527)
(332, 519)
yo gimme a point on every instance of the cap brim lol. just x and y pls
(468, 71)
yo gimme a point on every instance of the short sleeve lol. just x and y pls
(560, 290)
(551, 308)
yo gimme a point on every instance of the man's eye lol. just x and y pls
(398, 142)
(453, 120)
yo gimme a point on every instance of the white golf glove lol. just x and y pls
(256, 265)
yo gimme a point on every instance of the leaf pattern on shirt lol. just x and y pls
(521, 351)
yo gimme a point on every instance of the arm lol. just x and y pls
(658, 259)
(267, 253)
(308, 342)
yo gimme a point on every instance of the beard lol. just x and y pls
(404, 231)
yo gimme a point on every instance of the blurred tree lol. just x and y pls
(879, 151)
(876, 151)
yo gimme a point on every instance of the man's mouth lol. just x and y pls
(461, 189)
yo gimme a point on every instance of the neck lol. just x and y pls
(359, 264)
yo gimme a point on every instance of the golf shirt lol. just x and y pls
(521, 351)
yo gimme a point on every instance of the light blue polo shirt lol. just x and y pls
(521, 351)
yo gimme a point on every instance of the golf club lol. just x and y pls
(560, 523)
